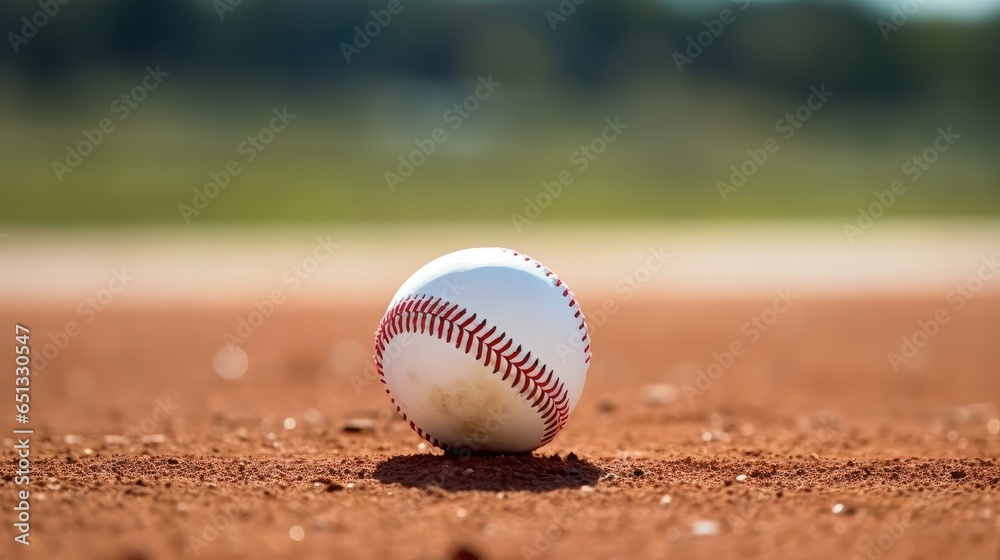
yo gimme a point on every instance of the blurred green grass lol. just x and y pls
(329, 165)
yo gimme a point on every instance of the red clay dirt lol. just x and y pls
(808, 445)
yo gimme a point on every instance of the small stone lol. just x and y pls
(172, 461)
(993, 426)
(839, 509)
(465, 554)
(606, 404)
(659, 394)
(115, 440)
(704, 528)
(296, 533)
(469, 471)
(312, 416)
(638, 472)
(289, 423)
(70, 439)
(587, 489)
(334, 487)
(153, 438)
(230, 362)
(665, 500)
(357, 425)
(741, 478)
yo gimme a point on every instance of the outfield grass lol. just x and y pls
(329, 164)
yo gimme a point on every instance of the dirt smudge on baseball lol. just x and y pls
(479, 405)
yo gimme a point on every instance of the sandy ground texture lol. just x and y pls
(152, 441)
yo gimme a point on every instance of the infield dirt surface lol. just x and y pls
(812, 415)
(809, 444)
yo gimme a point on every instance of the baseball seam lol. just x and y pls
(568, 295)
(425, 314)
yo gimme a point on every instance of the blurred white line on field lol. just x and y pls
(706, 259)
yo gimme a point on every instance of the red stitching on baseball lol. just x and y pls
(566, 294)
(552, 404)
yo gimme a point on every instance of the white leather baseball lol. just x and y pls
(484, 350)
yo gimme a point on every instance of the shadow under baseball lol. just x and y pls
(487, 472)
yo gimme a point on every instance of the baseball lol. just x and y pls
(484, 350)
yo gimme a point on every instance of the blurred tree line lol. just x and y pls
(596, 45)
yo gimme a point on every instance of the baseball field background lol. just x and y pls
(782, 220)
